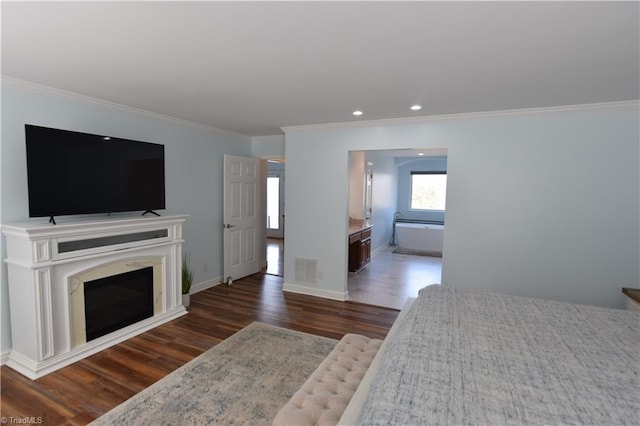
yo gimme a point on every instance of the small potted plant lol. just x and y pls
(187, 280)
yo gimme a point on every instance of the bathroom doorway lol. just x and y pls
(390, 278)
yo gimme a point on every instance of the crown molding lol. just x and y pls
(47, 90)
(39, 88)
(269, 138)
(464, 116)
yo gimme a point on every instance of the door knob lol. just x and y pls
(228, 225)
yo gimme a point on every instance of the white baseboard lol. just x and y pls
(205, 285)
(383, 247)
(4, 357)
(313, 291)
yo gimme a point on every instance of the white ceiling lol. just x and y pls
(253, 67)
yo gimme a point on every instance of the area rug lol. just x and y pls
(415, 252)
(244, 380)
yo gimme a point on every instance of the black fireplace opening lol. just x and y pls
(114, 302)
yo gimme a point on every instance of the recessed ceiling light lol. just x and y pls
(357, 112)
(416, 108)
(421, 153)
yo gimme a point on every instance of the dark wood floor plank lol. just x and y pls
(77, 394)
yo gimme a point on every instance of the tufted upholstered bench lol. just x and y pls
(324, 396)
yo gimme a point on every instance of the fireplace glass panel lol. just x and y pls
(114, 302)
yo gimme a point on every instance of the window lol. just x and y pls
(428, 190)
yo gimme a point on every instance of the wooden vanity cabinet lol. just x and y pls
(359, 249)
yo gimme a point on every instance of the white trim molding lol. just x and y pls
(4, 357)
(463, 116)
(39, 88)
(313, 291)
(196, 288)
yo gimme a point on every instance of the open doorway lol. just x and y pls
(275, 217)
(398, 269)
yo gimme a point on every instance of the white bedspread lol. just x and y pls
(468, 357)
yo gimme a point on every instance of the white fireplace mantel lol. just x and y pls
(41, 260)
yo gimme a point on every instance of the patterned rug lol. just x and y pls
(244, 380)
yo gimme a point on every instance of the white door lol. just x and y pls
(241, 217)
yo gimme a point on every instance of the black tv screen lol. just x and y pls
(79, 173)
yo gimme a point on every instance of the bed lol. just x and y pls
(461, 356)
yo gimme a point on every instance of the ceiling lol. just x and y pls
(253, 67)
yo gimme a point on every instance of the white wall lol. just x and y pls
(193, 157)
(268, 147)
(540, 203)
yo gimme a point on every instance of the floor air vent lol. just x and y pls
(306, 270)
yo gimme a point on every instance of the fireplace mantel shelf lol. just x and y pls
(42, 261)
(40, 228)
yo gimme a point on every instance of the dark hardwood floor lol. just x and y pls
(83, 391)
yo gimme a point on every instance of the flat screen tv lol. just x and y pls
(72, 173)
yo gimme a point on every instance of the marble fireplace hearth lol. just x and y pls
(50, 266)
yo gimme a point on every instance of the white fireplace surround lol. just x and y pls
(46, 262)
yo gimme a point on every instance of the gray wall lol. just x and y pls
(193, 157)
(541, 203)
